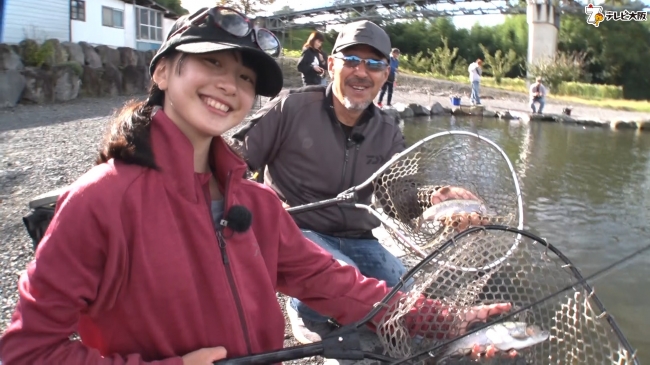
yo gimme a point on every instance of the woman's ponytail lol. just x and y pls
(128, 135)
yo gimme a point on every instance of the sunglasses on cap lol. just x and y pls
(371, 64)
(236, 24)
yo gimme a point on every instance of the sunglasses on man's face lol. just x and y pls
(371, 64)
(237, 24)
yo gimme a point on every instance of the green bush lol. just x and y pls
(35, 55)
(591, 91)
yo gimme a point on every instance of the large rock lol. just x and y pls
(12, 83)
(38, 86)
(75, 52)
(391, 111)
(142, 58)
(505, 115)
(489, 113)
(438, 109)
(419, 110)
(111, 81)
(9, 60)
(128, 57)
(108, 55)
(91, 57)
(148, 56)
(91, 81)
(133, 79)
(68, 81)
(403, 110)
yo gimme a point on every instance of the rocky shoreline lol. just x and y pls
(408, 111)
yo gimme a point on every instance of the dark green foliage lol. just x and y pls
(615, 53)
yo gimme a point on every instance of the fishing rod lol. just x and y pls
(606, 269)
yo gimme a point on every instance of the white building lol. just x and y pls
(139, 24)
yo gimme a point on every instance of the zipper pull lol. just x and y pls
(222, 247)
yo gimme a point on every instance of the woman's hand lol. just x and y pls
(318, 70)
(205, 356)
(430, 319)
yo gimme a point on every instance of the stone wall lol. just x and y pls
(60, 71)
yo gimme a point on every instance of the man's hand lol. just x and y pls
(459, 221)
(205, 356)
(318, 70)
(285, 205)
(451, 192)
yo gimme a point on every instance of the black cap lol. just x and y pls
(210, 38)
(363, 32)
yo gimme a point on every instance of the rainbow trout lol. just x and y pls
(504, 336)
(449, 207)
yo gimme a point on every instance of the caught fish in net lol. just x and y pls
(571, 328)
(534, 301)
(407, 190)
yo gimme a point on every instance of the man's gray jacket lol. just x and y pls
(310, 156)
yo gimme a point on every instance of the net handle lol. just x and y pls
(350, 195)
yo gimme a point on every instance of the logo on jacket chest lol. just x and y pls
(374, 159)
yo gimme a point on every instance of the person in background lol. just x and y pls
(537, 94)
(474, 70)
(313, 60)
(390, 82)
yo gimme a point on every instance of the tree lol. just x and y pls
(499, 64)
(173, 5)
(564, 67)
(248, 7)
(285, 10)
(442, 59)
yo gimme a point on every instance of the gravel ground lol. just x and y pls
(44, 147)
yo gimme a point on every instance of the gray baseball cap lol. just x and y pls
(363, 32)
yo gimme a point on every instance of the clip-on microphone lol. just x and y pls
(238, 218)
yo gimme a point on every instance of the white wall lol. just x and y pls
(167, 25)
(92, 31)
(36, 19)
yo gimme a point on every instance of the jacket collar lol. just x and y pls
(174, 155)
(328, 105)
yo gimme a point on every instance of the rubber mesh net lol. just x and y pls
(402, 193)
(492, 266)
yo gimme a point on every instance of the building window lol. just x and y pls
(78, 10)
(112, 17)
(150, 25)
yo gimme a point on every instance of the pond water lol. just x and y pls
(586, 191)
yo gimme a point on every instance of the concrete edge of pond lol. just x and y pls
(408, 111)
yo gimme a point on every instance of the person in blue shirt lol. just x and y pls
(388, 85)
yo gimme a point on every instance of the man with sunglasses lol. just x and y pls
(318, 141)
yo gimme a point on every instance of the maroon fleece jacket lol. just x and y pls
(132, 263)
